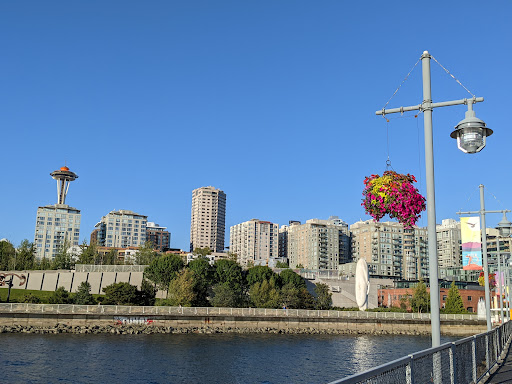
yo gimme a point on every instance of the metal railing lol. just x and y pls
(464, 361)
(217, 311)
(109, 268)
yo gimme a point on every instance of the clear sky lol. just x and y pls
(271, 101)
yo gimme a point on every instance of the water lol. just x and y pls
(197, 358)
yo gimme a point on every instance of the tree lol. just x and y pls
(230, 273)
(63, 259)
(89, 253)
(147, 294)
(30, 298)
(420, 300)
(224, 296)
(290, 296)
(181, 289)
(265, 294)
(280, 264)
(83, 294)
(202, 252)
(25, 255)
(44, 264)
(289, 277)
(307, 300)
(7, 254)
(60, 296)
(203, 273)
(299, 266)
(163, 269)
(454, 302)
(146, 254)
(121, 294)
(323, 296)
(259, 274)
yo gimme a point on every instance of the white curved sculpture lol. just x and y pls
(362, 284)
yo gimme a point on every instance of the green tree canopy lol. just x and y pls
(202, 252)
(420, 301)
(7, 254)
(146, 254)
(181, 289)
(289, 277)
(259, 273)
(454, 303)
(25, 256)
(63, 259)
(265, 294)
(204, 275)
(164, 269)
(89, 253)
(147, 294)
(280, 264)
(323, 296)
(307, 300)
(60, 296)
(121, 294)
(83, 295)
(230, 273)
(224, 296)
(290, 296)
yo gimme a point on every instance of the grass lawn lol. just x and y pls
(18, 295)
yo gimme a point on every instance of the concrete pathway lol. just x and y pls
(504, 373)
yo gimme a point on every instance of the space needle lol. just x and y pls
(63, 176)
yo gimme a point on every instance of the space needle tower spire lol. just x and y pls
(63, 176)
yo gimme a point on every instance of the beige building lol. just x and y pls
(121, 229)
(254, 241)
(390, 250)
(318, 244)
(208, 219)
(449, 253)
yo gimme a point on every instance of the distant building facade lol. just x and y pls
(318, 244)
(391, 250)
(208, 219)
(449, 252)
(56, 225)
(121, 229)
(254, 242)
(158, 236)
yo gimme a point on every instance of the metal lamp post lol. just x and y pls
(470, 134)
(505, 229)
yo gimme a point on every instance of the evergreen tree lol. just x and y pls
(323, 296)
(265, 294)
(60, 296)
(7, 254)
(121, 294)
(224, 296)
(89, 253)
(146, 254)
(83, 295)
(63, 259)
(25, 256)
(454, 302)
(147, 294)
(420, 301)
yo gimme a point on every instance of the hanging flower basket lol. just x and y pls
(395, 195)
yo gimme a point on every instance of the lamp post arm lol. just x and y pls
(485, 211)
(421, 107)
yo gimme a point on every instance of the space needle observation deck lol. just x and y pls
(63, 176)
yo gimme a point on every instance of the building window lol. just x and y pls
(470, 298)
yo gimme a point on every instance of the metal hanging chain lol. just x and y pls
(400, 85)
(453, 77)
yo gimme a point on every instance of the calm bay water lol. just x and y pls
(220, 358)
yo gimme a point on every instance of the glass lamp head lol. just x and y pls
(471, 133)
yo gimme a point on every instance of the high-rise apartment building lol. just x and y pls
(158, 236)
(319, 244)
(59, 224)
(449, 252)
(121, 229)
(390, 249)
(208, 219)
(254, 241)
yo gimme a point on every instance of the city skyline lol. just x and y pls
(147, 103)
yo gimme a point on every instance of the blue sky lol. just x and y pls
(271, 101)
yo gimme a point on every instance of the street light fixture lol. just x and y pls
(468, 135)
(471, 132)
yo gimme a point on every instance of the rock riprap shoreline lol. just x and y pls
(152, 329)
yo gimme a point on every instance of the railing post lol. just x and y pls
(453, 364)
(487, 353)
(473, 353)
(409, 377)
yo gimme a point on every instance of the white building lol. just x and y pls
(208, 219)
(122, 229)
(449, 252)
(254, 241)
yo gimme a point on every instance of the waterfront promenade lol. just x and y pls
(504, 372)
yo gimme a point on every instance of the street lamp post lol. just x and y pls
(471, 138)
(504, 230)
(482, 213)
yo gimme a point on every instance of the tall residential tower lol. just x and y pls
(58, 224)
(208, 219)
